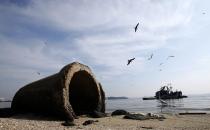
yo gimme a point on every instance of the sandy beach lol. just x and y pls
(172, 122)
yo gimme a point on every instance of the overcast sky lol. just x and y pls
(41, 36)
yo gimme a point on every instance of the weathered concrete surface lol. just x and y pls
(74, 90)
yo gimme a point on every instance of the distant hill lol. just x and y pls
(114, 98)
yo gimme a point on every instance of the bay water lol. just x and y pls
(194, 103)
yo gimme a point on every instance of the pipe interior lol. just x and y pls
(83, 94)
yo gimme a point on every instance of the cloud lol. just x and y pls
(97, 33)
(82, 15)
(31, 55)
(22, 59)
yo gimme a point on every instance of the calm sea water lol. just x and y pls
(198, 103)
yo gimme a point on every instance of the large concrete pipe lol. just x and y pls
(74, 90)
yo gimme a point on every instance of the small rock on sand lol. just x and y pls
(119, 112)
(88, 122)
(68, 123)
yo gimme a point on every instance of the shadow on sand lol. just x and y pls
(8, 113)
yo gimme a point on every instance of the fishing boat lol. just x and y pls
(166, 92)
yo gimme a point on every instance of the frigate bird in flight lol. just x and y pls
(136, 27)
(151, 56)
(130, 60)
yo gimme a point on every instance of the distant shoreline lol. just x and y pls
(6, 101)
(115, 98)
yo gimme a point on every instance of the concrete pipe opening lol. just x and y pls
(83, 93)
(72, 91)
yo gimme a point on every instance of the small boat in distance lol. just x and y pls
(166, 92)
(149, 98)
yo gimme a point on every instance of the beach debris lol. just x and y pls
(63, 93)
(119, 112)
(147, 116)
(88, 122)
(130, 60)
(151, 56)
(146, 127)
(68, 123)
(136, 27)
(135, 116)
(155, 116)
(193, 113)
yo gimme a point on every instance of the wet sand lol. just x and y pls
(172, 122)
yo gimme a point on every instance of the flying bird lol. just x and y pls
(151, 56)
(38, 73)
(45, 43)
(130, 60)
(136, 27)
(170, 57)
(161, 64)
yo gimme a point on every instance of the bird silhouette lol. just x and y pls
(38, 73)
(161, 64)
(151, 56)
(45, 43)
(170, 57)
(130, 60)
(136, 27)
